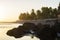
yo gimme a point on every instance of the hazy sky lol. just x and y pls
(10, 9)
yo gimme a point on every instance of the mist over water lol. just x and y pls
(5, 27)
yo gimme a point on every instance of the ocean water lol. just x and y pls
(5, 27)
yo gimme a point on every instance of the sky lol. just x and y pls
(11, 9)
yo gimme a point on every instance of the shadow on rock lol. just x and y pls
(47, 33)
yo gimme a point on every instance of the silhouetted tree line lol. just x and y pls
(43, 32)
(45, 12)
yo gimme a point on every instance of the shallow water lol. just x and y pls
(5, 27)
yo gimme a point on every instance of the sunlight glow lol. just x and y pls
(11, 9)
(2, 13)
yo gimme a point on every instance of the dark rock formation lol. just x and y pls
(22, 30)
(16, 32)
(43, 32)
(47, 33)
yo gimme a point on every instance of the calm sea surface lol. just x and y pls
(4, 27)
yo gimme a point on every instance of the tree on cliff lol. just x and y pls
(33, 15)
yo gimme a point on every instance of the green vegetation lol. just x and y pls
(45, 12)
